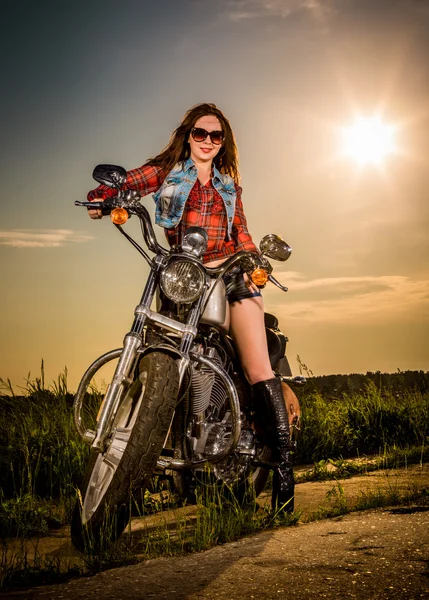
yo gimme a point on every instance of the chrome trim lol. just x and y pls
(277, 283)
(83, 386)
(113, 395)
(297, 380)
(171, 267)
(195, 241)
(178, 464)
(166, 322)
(182, 366)
(274, 247)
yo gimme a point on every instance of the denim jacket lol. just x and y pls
(171, 197)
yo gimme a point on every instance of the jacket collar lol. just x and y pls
(189, 164)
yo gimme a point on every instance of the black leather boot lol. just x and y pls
(271, 416)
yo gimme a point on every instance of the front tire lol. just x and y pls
(138, 435)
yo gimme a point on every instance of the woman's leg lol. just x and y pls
(248, 331)
(251, 341)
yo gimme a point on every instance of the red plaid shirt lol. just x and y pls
(204, 208)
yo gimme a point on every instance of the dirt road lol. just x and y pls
(375, 555)
(369, 555)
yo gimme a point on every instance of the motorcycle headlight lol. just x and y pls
(183, 281)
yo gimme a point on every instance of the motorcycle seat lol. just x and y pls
(276, 347)
(271, 321)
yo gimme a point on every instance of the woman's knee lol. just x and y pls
(256, 372)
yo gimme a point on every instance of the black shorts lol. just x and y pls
(236, 288)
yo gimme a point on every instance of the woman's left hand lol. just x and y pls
(249, 284)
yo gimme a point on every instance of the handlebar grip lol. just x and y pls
(105, 208)
(89, 204)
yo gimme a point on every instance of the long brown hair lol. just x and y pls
(177, 150)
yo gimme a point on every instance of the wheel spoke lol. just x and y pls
(122, 434)
(104, 471)
(112, 460)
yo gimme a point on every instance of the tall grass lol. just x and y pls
(367, 421)
(42, 455)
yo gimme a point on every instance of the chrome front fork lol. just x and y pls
(123, 376)
(120, 382)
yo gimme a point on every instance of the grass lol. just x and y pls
(42, 453)
(395, 458)
(25, 567)
(381, 496)
(218, 518)
(42, 461)
(361, 422)
(27, 515)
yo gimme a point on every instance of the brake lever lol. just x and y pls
(277, 283)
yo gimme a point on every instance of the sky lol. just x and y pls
(98, 81)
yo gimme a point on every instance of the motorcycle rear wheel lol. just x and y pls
(244, 490)
(102, 510)
(258, 477)
(248, 489)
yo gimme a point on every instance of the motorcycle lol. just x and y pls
(178, 404)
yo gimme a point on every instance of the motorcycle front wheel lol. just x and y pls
(103, 509)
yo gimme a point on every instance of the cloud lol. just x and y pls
(345, 283)
(239, 10)
(365, 299)
(41, 238)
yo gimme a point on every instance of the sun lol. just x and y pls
(368, 140)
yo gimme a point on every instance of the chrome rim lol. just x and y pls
(106, 464)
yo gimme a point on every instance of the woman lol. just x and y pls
(195, 180)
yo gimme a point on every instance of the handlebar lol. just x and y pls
(138, 209)
(133, 207)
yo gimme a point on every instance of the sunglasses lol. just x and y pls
(199, 135)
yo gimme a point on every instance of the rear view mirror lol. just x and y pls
(273, 246)
(110, 175)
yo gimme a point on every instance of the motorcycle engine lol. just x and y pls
(235, 466)
(212, 424)
(206, 387)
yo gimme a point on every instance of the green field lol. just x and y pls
(42, 458)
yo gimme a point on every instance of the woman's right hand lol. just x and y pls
(95, 213)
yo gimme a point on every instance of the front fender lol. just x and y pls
(182, 363)
(165, 348)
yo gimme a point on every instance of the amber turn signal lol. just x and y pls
(119, 216)
(259, 277)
